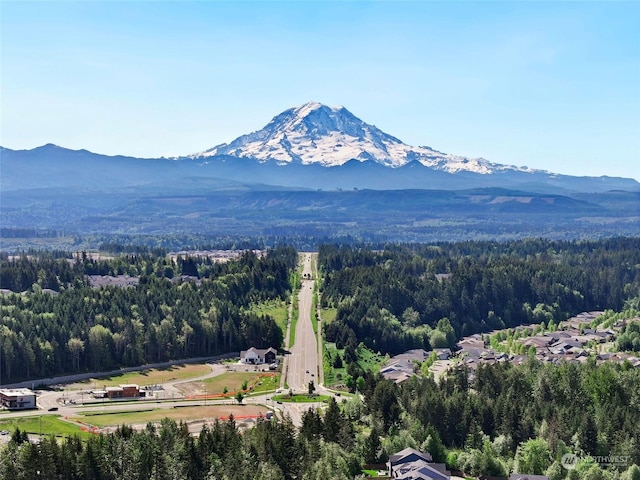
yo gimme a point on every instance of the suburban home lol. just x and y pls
(443, 353)
(397, 377)
(401, 367)
(411, 464)
(257, 356)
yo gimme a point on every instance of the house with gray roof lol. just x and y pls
(412, 464)
(258, 356)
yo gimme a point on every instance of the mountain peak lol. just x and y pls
(306, 108)
(331, 136)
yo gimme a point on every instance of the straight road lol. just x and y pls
(303, 360)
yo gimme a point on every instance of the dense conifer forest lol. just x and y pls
(521, 419)
(410, 296)
(189, 308)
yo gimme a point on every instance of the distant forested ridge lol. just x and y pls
(177, 309)
(413, 296)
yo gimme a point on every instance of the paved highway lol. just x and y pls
(303, 360)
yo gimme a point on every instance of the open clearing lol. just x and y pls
(43, 425)
(187, 414)
(277, 309)
(154, 376)
(328, 314)
(256, 382)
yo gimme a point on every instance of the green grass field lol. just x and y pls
(328, 315)
(266, 384)
(367, 360)
(294, 321)
(276, 309)
(332, 375)
(44, 425)
(301, 398)
(314, 310)
(371, 473)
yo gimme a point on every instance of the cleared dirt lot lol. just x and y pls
(152, 376)
(195, 417)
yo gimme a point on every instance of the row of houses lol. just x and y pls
(573, 343)
(401, 367)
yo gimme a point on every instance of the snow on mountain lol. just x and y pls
(331, 136)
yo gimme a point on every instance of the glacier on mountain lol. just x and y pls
(332, 136)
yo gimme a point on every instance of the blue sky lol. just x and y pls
(551, 85)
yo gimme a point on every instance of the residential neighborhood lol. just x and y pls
(573, 341)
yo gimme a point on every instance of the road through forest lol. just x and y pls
(302, 364)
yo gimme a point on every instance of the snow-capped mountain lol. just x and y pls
(294, 151)
(314, 133)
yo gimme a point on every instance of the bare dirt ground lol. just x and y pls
(152, 376)
(245, 416)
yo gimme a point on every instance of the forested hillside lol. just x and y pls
(516, 419)
(413, 296)
(192, 307)
(509, 419)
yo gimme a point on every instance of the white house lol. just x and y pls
(257, 356)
